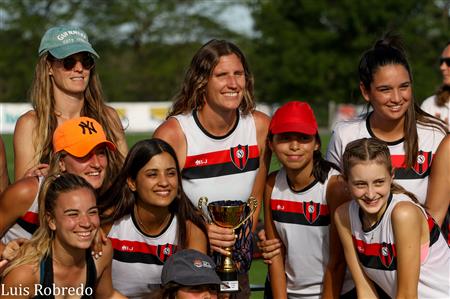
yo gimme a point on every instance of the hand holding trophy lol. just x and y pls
(228, 214)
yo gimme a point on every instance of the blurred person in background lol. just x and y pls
(438, 105)
(220, 142)
(65, 86)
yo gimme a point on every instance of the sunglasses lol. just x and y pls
(445, 60)
(87, 61)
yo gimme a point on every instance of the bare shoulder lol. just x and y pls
(171, 132)
(262, 120)
(406, 212)
(169, 129)
(26, 122)
(270, 182)
(21, 194)
(25, 275)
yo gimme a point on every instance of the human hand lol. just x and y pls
(220, 238)
(37, 170)
(268, 248)
(12, 249)
(100, 239)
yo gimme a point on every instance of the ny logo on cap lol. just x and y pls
(88, 125)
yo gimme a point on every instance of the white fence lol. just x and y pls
(135, 117)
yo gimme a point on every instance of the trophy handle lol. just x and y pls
(202, 204)
(253, 204)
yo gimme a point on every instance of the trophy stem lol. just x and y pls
(228, 263)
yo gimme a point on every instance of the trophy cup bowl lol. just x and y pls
(228, 214)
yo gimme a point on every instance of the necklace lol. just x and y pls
(144, 227)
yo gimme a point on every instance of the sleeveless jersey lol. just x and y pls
(220, 168)
(27, 224)
(442, 112)
(46, 277)
(378, 258)
(138, 258)
(302, 221)
(414, 179)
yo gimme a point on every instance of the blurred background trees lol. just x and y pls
(305, 50)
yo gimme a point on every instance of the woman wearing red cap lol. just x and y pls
(80, 147)
(65, 86)
(299, 202)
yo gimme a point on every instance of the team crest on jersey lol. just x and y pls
(311, 210)
(423, 162)
(165, 251)
(239, 156)
(386, 254)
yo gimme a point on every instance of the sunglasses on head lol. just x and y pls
(86, 59)
(445, 60)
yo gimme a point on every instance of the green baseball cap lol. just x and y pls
(63, 41)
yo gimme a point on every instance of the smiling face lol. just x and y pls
(370, 185)
(75, 220)
(445, 69)
(73, 81)
(390, 93)
(156, 183)
(225, 88)
(91, 167)
(294, 150)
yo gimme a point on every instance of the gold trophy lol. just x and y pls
(229, 214)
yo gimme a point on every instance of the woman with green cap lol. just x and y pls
(65, 86)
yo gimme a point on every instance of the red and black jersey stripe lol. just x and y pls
(383, 256)
(29, 222)
(303, 213)
(218, 163)
(420, 170)
(141, 252)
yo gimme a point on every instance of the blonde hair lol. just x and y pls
(43, 102)
(40, 244)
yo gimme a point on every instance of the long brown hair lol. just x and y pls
(389, 51)
(193, 89)
(119, 200)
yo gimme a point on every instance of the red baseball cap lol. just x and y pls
(294, 116)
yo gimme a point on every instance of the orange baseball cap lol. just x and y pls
(79, 136)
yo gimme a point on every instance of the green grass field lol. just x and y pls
(258, 270)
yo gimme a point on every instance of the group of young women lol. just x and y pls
(78, 189)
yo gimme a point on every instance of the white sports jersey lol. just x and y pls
(413, 179)
(220, 168)
(27, 224)
(377, 253)
(302, 221)
(443, 112)
(138, 258)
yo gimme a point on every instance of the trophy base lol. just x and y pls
(230, 283)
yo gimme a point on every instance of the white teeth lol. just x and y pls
(162, 193)
(231, 94)
(93, 173)
(84, 234)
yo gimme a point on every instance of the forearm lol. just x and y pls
(333, 280)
